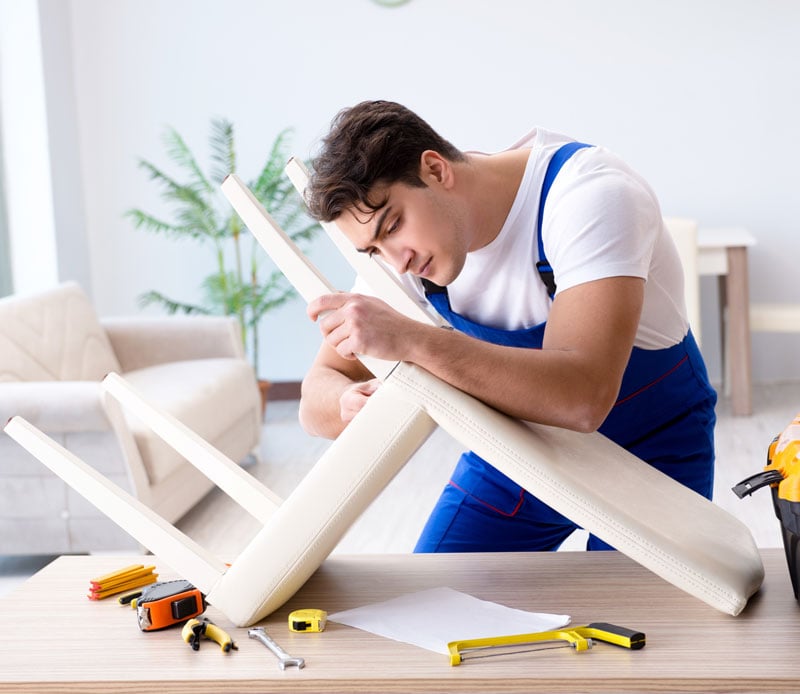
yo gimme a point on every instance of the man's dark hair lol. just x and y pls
(374, 142)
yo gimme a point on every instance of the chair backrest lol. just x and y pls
(53, 335)
(684, 234)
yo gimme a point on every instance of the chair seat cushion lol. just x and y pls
(207, 395)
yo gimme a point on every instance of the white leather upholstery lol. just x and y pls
(666, 527)
(661, 524)
(311, 521)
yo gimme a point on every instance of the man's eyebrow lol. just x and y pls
(377, 231)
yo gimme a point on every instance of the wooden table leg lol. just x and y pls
(737, 342)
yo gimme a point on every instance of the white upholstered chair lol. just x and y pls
(684, 233)
(54, 352)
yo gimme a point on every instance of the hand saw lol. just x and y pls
(580, 638)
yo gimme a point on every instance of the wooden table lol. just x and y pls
(723, 253)
(55, 640)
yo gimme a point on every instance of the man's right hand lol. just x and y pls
(355, 397)
(333, 391)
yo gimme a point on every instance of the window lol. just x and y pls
(6, 284)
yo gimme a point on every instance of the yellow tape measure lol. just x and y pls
(307, 620)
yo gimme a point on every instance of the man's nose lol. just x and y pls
(400, 258)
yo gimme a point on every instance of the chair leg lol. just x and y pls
(242, 487)
(181, 552)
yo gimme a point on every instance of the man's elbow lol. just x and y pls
(306, 419)
(315, 420)
(588, 415)
(586, 425)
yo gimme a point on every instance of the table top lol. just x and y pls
(56, 640)
(724, 237)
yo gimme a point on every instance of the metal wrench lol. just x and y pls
(284, 658)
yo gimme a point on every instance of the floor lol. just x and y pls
(393, 523)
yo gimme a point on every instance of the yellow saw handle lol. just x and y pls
(611, 633)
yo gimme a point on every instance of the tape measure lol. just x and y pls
(170, 602)
(307, 620)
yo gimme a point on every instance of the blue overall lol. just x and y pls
(664, 415)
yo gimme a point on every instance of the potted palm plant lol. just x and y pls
(243, 283)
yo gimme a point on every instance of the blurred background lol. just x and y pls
(701, 97)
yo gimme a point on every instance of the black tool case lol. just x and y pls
(787, 510)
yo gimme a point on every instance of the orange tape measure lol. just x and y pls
(167, 603)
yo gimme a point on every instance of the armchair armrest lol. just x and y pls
(55, 406)
(143, 341)
(70, 407)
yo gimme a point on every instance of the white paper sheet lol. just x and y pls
(433, 618)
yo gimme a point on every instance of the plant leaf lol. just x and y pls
(172, 307)
(223, 152)
(191, 208)
(142, 220)
(180, 153)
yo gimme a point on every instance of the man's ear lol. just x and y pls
(435, 169)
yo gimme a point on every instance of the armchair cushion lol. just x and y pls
(193, 391)
(53, 336)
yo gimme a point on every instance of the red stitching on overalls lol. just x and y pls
(651, 384)
(494, 508)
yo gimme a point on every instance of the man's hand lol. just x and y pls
(356, 324)
(355, 397)
(337, 385)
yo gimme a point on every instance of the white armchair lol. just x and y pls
(684, 234)
(53, 354)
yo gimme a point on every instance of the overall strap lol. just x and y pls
(562, 154)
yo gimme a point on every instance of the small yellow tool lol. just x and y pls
(579, 638)
(196, 628)
(307, 620)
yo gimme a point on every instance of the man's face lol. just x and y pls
(418, 230)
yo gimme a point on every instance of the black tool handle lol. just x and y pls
(754, 482)
(635, 639)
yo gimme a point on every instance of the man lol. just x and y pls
(552, 262)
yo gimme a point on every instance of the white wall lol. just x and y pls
(701, 96)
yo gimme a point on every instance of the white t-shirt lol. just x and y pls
(601, 219)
